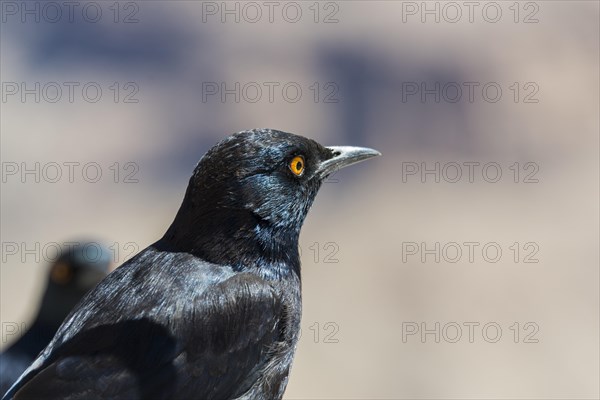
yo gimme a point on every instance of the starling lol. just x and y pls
(76, 270)
(212, 309)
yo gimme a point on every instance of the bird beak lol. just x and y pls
(344, 156)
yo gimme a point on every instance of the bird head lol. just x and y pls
(257, 186)
(76, 270)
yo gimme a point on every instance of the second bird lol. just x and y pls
(212, 309)
(76, 270)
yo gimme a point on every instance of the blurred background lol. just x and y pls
(461, 264)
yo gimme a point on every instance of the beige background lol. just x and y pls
(370, 292)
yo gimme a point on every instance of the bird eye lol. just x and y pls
(61, 274)
(297, 165)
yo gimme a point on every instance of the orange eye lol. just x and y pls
(297, 165)
(61, 274)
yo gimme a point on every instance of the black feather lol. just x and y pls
(211, 310)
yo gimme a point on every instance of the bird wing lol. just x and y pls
(165, 325)
(12, 364)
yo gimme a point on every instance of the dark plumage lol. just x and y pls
(76, 270)
(212, 309)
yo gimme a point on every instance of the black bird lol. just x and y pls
(212, 309)
(76, 270)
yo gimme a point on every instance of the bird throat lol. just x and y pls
(234, 237)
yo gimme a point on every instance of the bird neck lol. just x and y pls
(237, 238)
